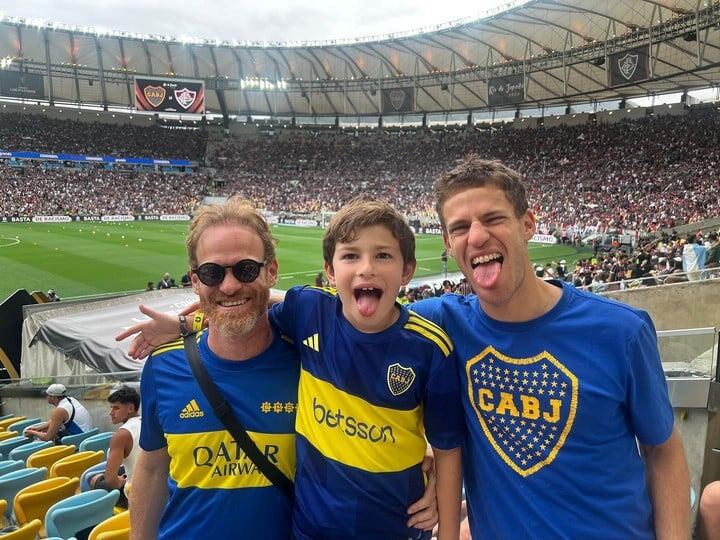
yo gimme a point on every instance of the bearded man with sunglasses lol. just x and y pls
(193, 480)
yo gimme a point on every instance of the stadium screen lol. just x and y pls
(170, 95)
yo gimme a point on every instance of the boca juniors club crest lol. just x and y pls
(185, 97)
(154, 94)
(397, 99)
(399, 378)
(525, 406)
(627, 65)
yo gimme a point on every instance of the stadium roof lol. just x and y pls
(560, 49)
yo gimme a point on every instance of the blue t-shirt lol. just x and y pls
(553, 408)
(214, 488)
(365, 403)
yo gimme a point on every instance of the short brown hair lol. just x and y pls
(362, 212)
(476, 172)
(235, 211)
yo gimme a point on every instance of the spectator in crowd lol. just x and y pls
(693, 257)
(124, 446)
(150, 286)
(166, 282)
(69, 416)
(52, 296)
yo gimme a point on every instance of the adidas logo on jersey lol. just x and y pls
(191, 410)
(313, 342)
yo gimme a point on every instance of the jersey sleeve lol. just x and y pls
(647, 395)
(443, 414)
(152, 436)
(282, 314)
(428, 308)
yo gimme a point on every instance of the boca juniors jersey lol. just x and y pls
(554, 407)
(214, 487)
(365, 402)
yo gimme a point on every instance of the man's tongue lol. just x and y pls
(367, 302)
(487, 274)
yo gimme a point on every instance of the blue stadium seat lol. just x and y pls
(92, 471)
(101, 441)
(13, 482)
(8, 445)
(9, 466)
(80, 437)
(20, 426)
(26, 450)
(69, 516)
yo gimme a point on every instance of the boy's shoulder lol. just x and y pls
(427, 330)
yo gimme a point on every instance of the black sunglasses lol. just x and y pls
(213, 274)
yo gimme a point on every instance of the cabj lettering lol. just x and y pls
(530, 406)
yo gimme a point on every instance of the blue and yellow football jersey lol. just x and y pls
(365, 404)
(214, 488)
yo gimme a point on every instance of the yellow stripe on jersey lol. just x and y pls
(348, 429)
(213, 460)
(172, 345)
(330, 290)
(431, 331)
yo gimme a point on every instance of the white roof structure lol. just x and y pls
(560, 47)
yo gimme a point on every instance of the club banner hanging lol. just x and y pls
(398, 100)
(20, 84)
(170, 95)
(629, 66)
(508, 90)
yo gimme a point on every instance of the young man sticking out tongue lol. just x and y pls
(561, 387)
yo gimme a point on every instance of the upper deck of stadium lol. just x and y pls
(560, 48)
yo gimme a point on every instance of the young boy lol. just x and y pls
(374, 380)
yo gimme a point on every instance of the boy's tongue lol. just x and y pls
(486, 274)
(367, 302)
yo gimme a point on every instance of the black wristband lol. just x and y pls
(184, 330)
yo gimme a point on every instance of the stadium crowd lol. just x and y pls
(39, 191)
(36, 133)
(641, 175)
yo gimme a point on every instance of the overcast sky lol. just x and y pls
(273, 20)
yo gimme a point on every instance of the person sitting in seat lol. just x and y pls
(124, 447)
(69, 417)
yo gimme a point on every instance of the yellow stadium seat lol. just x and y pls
(3, 507)
(114, 528)
(74, 465)
(48, 456)
(8, 435)
(5, 423)
(34, 501)
(27, 532)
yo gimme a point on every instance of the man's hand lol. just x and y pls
(161, 328)
(425, 510)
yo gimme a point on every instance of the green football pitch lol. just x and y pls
(79, 259)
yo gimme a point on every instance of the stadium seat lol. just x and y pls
(85, 478)
(48, 456)
(114, 528)
(13, 482)
(28, 532)
(22, 424)
(5, 435)
(78, 438)
(26, 450)
(9, 466)
(9, 445)
(3, 506)
(6, 416)
(9, 421)
(33, 502)
(101, 441)
(79, 512)
(74, 465)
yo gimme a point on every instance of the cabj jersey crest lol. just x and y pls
(525, 406)
(399, 378)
